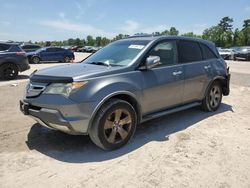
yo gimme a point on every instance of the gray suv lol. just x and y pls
(126, 83)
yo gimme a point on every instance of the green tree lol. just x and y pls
(226, 24)
(191, 34)
(105, 41)
(77, 42)
(118, 37)
(71, 41)
(246, 33)
(98, 41)
(90, 40)
(173, 31)
(166, 32)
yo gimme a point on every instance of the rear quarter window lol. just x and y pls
(189, 51)
(207, 52)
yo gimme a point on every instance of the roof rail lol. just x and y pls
(143, 35)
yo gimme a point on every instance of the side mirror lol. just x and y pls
(152, 61)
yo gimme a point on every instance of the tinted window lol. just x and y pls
(59, 49)
(30, 47)
(26, 47)
(4, 47)
(207, 53)
(166, 51)
(51, 50)
(15, 48)
(189, 51)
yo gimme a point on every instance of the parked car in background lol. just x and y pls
(30, 47)
(95, 49)
(243, 53)
(89, 49)
(85, 49)
(126, 83)
(227, 53)
(51, 54)
(12, 60)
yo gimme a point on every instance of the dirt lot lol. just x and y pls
(187, 149)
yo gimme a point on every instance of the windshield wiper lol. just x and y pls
(106, 63)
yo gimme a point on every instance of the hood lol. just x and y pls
(69, 72)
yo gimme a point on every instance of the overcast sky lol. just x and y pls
(62, 19)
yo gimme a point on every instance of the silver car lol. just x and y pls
(126, 83)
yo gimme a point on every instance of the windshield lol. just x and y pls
(120, 53)
(40, 49)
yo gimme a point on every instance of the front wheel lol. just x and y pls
(114, 124)
(213, 98)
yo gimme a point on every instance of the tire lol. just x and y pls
(114, 124)
(213, 97)
(8, 71)
(66, 59)
(36, 59)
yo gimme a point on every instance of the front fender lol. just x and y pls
(97, 89)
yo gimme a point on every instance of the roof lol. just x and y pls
(161, 37)
(10, 43)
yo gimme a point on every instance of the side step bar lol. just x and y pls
(169, 111)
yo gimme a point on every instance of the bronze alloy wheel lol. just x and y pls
(117, 126)
(215, 96)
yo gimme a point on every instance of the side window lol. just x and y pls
(4, 47)
(50, 50)
(207, 53)
(59, 49)
(189, 51)
(166, 51)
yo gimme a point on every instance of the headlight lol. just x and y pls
(64, 88)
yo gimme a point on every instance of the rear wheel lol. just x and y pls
(114, 124)
(8, 71)
(213, 98)
(66, 59)
(36, 60)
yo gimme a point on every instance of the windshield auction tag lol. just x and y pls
(136, 46)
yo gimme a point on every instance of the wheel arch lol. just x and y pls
(123, 95)
(10, 62)
(221, 80)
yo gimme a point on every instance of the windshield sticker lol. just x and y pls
(136, 46)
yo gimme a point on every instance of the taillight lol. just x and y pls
(21, 53)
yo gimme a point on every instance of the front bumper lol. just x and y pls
(68, 117)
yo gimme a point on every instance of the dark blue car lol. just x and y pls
(51, 54)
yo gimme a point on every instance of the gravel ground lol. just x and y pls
(186, 149)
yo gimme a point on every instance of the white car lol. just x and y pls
(227, 53)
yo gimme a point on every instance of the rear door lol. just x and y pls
(49, 54)
(196, 70)
(163, 84)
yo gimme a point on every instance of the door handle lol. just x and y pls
(177, 73)
(207, 67)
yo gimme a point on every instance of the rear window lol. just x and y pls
(30, 47)
(207, 53)
(4, 47)
(189, 51)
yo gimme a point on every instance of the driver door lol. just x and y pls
(163, 85)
